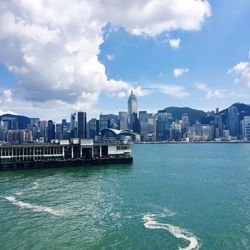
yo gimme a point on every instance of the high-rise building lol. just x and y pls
(58, 131)
(103, 122)
(123, 116)
(65, 129)
(43, 130)
(147, 126)
(233, 121)
(132, 112)
(184, 121)
(34, 121)
(82, 125)
(93, 128)
(246, 128)
(175, 131)
(51, 131)
(218, 125)
(132, 104)
(73, 126)
(15, 136)
(163, 123)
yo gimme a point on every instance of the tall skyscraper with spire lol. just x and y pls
(132, 104)
(133, 112)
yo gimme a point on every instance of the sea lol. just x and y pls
(174, 196)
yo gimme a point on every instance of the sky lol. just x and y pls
(59, 57)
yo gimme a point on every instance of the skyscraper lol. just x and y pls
(82, 125)
(233, 121)
(132, 112)
(93, 125)
(73, 127)
(163, 124)
(51, 131)
(132, 104)
(246, 128)
(123, 116)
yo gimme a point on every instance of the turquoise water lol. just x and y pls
(173, 197)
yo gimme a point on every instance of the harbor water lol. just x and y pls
(174, 196)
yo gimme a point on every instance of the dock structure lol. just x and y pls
(63, 152)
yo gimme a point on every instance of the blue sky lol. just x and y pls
(210, 60)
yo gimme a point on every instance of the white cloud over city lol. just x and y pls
(242, 71)
(210, 92)
(180, 71)
(53, 46)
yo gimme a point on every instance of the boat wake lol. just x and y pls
(179, 233)
(36, 208)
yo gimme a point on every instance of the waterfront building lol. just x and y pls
(73, 126)
(163, 123)
(132, 104)
(184, 121)
(233, 121)
(35, 132)
(2, 132)
(43, 130)
(218, 125)
(115, 135)
(175, 131)
(93, 128)
(133, 112)
(123, 117)
(51, 131)
(82, 125)
(34, 121)
(10, 123)
(103, 122)
(65, 129)
(246, 128)
(58, 135)
(113, 121)
(226, 135)
(62, 153)
(207, 132)
(15, 136)
(147, 126)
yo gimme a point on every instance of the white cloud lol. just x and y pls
(175, 43)
(210, 93)
(151, 17)
(6, 97)
(139, 91)
(180, 71)
(110, 57)
(54, 45)
(172, 90)
(242, 69)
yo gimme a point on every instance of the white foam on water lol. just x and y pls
(18, 193)
(36, 208)
(35, 185)
(179, 233)
(168, 213)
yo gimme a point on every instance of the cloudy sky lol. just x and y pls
(61, 56)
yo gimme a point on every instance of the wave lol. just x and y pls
(179, 233)
(36, 208)
(35, 185)
(18, 193)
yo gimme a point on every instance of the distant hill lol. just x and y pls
(243, 109)
(193, 114)
(23, 121)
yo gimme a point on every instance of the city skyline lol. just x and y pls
(167, 125)
(194, 54)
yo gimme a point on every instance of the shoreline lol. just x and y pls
(196, 142)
